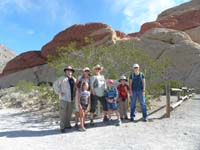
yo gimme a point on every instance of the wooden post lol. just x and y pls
(168, 99)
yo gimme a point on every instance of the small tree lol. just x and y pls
(117, 60)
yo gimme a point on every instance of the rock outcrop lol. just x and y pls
(98, 32)
(24, 61)
(5, 56)
(185, 17)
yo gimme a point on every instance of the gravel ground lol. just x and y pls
(27, 131)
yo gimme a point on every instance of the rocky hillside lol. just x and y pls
(5, 55)
(175, 34)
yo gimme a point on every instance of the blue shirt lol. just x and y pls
(137, 81)
(111, 92)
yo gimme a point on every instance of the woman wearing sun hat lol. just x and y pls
(65, 88)
(98, 86)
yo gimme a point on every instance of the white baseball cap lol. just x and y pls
(86, 69)
(136, 66)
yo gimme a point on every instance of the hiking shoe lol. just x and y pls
(82, 129)
(145, 119)
(118, 123)
(132, 119)
(126, 118)
(76, 126)
(105, 119)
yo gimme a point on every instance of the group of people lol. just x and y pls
(85, 92)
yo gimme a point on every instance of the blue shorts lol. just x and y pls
(112, 106)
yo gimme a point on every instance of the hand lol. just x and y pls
(143, 93)
(80, 107)
(131, 93)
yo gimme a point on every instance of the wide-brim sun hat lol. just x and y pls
(122, 78)
(97, 66)
(136, 66)
(69, 68)
(86, 69)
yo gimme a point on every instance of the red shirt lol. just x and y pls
(123, 90)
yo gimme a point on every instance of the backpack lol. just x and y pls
(123, 93)
(133, 75)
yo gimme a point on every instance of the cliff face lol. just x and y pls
(185, 17)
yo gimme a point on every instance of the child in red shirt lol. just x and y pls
(123, 90)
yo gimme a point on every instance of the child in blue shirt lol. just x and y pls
(111, 95)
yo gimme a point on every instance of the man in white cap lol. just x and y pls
(137, 89)
(65, 88)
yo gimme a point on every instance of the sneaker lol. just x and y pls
(76, 125)
(145, 119)
(126, 118)
(118, 123)
(105, 119)
(82, 129)
(62, 130)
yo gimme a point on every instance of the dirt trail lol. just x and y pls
(25, 131)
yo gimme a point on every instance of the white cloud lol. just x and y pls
(137, 12)
(30, 32)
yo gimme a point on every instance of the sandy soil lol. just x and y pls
(27, 131)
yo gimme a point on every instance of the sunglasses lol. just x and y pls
(98, 69)
(135, 68)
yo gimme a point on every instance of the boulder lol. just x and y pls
(23, 61)
(185, 17)
(99, 33)
(184, 54)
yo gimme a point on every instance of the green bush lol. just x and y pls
(25, 86)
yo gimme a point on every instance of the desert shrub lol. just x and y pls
(47, 94)
(25, 86)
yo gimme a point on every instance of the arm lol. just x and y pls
(144, 86)
(79, 101)
(91, 85)
(57, 86)
(130, 87)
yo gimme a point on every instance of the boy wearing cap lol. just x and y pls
(137, 89)
(123, 90)
(111, 95)
(65, 88)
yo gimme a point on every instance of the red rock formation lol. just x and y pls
(120, 34)
(184, 21)
(77, 33)
(23, 61)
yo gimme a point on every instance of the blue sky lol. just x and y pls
(29, 24)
